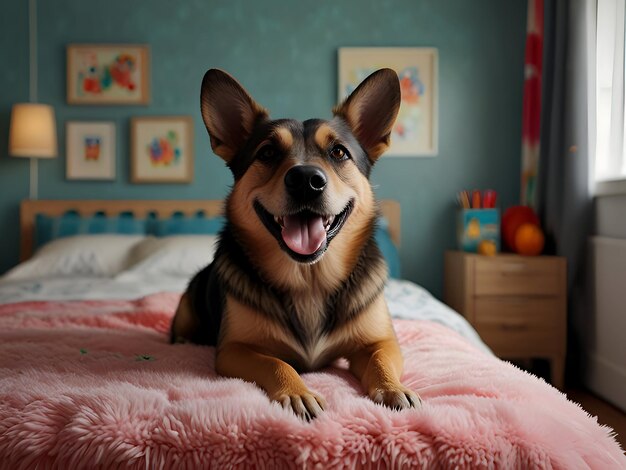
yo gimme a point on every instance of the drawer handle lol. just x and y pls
(513, 267)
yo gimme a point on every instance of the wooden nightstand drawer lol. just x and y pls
(517, 304)
(523, 341)
(518, 312)
(508, 275)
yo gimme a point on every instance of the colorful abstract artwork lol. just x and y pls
(165, 150)
(415, 130)
(92, 147)
(90, 150)
(107, 74)
(162, 150)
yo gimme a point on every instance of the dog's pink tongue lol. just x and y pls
(304, 235)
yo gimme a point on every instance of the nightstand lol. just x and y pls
(516, 303)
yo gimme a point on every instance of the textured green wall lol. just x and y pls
(285, 53)
(13, 88)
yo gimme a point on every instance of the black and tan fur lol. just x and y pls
(269, 310)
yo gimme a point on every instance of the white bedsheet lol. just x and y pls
(409, 301)
(405, 299)
(88, 288)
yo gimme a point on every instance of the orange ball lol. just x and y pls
(487, 248)
(529, 240)
(513, 219)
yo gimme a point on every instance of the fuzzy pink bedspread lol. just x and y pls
(96, 384)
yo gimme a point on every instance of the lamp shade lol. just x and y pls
(33, 131)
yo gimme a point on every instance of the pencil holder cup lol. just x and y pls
(475, 226)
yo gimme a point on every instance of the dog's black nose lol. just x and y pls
(305, 182)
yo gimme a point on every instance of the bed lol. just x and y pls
(88, 378)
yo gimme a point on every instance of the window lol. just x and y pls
(610, 160)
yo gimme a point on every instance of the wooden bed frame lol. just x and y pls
(142, 208)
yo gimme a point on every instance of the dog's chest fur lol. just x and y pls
(308, 321)
(310, 310)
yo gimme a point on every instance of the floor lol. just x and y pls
(606, 413)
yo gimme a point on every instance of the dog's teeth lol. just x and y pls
(279, 220)
(328, 220)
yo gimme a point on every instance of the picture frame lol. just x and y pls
(162, 149)
(415, 133)
(90, 150)
(108, 74)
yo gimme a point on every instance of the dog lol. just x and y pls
(297, 279)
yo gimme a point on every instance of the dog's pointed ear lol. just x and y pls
(371, 111)
(229, 113)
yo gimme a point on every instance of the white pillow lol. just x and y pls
(176, 255)
(81, 255)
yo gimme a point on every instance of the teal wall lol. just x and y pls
(285, 53)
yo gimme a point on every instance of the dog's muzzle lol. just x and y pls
(306, 228)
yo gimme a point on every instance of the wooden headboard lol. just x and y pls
(142, 208)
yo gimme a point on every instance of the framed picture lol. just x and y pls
(162, 149)
(108, 74)
(90, 150)
(415, 132)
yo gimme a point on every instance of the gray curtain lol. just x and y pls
(564, 204)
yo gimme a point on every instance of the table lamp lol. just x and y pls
(33, 135)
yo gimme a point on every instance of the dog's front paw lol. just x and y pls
(305, 405)
(397, 397)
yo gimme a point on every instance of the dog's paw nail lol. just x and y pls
(284, 401)
(298, 407)
(414, 400)
(321, 402)
(377, 397)
(397, 398)
(305, 405)
(313, 405)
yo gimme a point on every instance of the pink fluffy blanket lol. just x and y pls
(96, 384)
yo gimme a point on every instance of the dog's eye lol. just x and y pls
(267, 153)
(339, 152)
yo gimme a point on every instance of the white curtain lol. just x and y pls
(610, 163)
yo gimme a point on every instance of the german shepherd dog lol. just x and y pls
(297, 279)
